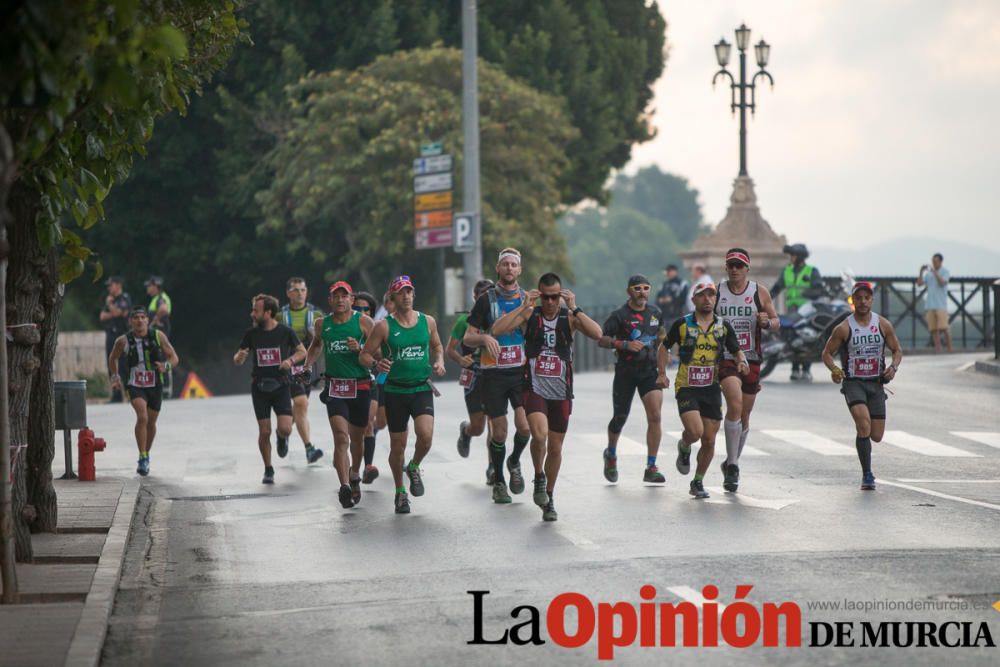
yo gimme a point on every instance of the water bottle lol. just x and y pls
(380, 378)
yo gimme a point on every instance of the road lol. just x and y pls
(224, 571)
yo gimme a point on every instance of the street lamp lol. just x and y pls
(762, 51)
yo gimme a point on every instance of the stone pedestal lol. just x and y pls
(742, 227)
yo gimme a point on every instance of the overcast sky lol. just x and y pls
(883, 122)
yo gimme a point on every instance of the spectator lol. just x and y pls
(801, 283)
(160, 306)
(672, 295)
(937, 300)
(114, 317)
(385, 309)
(699, 274)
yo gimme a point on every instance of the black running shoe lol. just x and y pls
(416, 484)
(268, 476)
(698, 489)
(549, 512)
(344, 496)
(541, 494)
(731, 476)
(355, 487)
(516, 478)
(489, 475)
(610, 466)
(402, 503)
(463, 441)
(313, 454)
(653, 475)
(683, 458)
(500, 495)
(282, 447)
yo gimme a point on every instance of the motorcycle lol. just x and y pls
(804, 333)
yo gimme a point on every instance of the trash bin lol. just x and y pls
(71, 404)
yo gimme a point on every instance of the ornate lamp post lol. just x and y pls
(762, 50)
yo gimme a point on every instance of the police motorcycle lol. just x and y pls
(803, 334)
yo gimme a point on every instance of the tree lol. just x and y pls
(342, 185)
(85, 82)
(661, 196)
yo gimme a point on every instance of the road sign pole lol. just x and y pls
(472, 262)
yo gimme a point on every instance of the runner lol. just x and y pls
(276, 351)
(365, 304)
(634, 331)
(147, 354)
(300, 316)
(861, 340)
(408, 340)
(702, 338)
(501, 362)
(548, 378)
(747, 306)
(468, 359)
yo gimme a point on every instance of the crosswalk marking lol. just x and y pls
(925, 446)
(813, 443)
(722, 498)
(747, 450)
(938, 494)
(989, 439)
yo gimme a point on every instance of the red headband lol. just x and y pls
(739, 256)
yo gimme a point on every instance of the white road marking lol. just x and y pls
(938, 494)
(813, 443)
(691, 595)
(989, 439)
(950, 481)
(747, 450)
(966, 366)
(925, 446)
(723, 498)
(626, 445)
(579, 541)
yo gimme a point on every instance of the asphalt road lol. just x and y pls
(224, 571)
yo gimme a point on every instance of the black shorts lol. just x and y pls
(627, 381)
(279, 400)
(706, 400)
(299, 389)
(354, 410)
(400, 407)
(500, 387)
(865, 392)
(377, 394)
(474, 395)
(152, 395)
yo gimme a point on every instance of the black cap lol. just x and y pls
(138, 310)
(638, 279)
(154, 280)
(670, 267)
(114, 279)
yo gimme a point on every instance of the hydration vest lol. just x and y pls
(286, 319)
(534, 335)
(685, 351)
(152, 352)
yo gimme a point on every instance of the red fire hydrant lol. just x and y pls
(87, 444)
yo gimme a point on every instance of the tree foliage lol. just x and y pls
(661, 196)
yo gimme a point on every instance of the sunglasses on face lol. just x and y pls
(640, 288)
(735, 265)
(551, 297)
(361, 309)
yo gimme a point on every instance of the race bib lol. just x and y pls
(343, 388)
(865, 367)
(142, 379)
(268, 356)
(548, 365)
(744, 339)
(511, 356)
(465, 377)
(701, 376)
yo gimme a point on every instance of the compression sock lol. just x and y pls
(743, 440)
(369, 449)
(650, 461)
(401, 488)
(520, 442)
(698, 477)
(498, 451)
(613, 450)
(864, 446)
(732, 428)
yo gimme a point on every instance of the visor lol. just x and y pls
(701, 287)
(863, 285)
(738, 257)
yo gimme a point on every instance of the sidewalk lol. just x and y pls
(67, 592)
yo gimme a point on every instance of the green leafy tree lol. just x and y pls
(661, 196)
(84, 83)
(343, 187)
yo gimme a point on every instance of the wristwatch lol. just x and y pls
(577, 310)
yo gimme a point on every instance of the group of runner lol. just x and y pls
(515, 349)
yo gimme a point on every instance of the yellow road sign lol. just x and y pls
(194, 388)
(432, 200)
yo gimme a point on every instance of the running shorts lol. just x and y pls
(279, 400)
(558, 412)
(501, 387)
(706, 400)
(400, 407)
(627, 381)
(751, 382)
(867, 392)
(152, 395)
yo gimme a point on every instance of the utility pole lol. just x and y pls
(7, 567)
(472, 262)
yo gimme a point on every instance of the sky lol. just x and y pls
(883, 122)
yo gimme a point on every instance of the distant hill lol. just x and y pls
(903, 257)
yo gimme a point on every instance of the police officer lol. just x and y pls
(114, 317)
(801, 283)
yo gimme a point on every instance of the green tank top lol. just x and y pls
(409, 350)
(340, 361)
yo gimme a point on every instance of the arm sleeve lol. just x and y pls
(480, 315)
(674, 335)
(730, 341)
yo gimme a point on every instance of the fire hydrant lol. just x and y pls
(87, 444)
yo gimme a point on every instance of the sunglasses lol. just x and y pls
(735, 265)
(362, 309)
(640, 288)
(550, 297)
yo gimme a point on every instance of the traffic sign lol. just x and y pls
(432, 238)
(435, 148)
(432, 219)
(431, 201)
(432, 183)
(463, 232)
(431, 165)
(194, 388)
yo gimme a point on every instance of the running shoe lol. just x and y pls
(489, 475)
(371, 474)
(683, 458)
(807, 376)
(402, 503)
(796, 375)
(313, 454)
(143, 467)
(268, 476)
(868, 482)
(610, 466)
(416, 484)
(500, 495)
(731, 476)
(516, 478)
(653, 475)
(282, 447)
(355, 487)
(463, 440)
(344, 496)
(549, 512)
(698, 489)
(541, 495)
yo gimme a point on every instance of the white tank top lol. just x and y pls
(863, 354)
(740, 310)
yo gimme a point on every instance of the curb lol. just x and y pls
(990, 366)
(88, 639)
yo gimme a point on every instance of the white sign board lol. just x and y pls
(463, 232)
(431, 165)
(432, 183)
